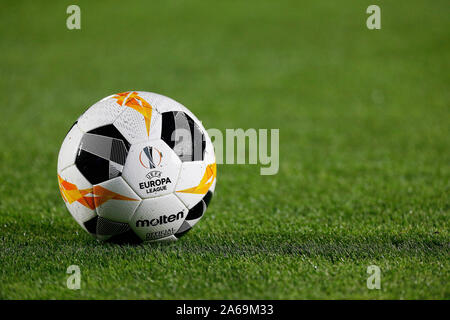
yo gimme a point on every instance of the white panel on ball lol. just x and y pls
(133, 125)
(115, 200)
(156, 126)
(138, 117)
(69, 148)
(160, 102)
(100, 114)
(190, 175)
(209, 153)
(158, 217)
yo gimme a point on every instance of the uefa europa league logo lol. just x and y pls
(152, 157)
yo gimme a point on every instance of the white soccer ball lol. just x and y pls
(137, 166)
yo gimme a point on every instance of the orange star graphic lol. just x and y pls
(70, 193)
(205, 183)
(137, 103)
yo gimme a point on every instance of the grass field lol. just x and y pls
(364, 146)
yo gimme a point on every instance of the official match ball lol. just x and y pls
(137, 166)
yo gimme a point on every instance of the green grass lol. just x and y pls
(364, 146)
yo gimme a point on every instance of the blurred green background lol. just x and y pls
(364, 146)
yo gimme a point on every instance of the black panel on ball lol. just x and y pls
(168, 127)
(196, 211)
(92, 167)
(199, 209)
(102, 153)
(91, 225)
(106, 227)
(183, 136)
(208, 197)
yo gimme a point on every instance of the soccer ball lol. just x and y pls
(137, 166)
